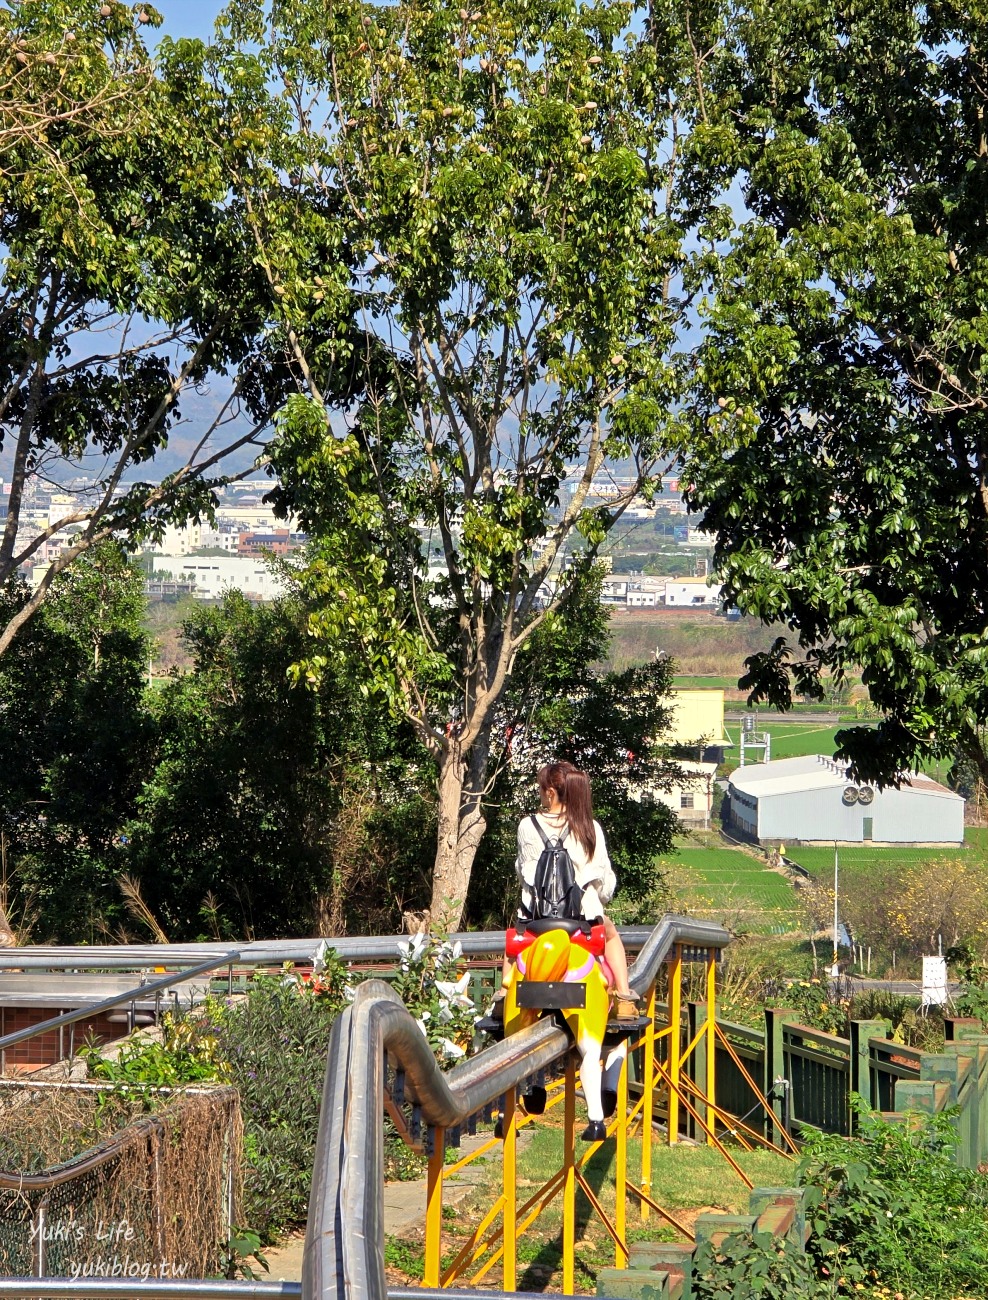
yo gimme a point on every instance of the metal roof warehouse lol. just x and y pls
(812, 799)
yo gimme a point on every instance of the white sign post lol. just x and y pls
(934, 982)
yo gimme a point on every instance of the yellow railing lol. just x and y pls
(495, 1238)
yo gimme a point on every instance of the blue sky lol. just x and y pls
(189, 17)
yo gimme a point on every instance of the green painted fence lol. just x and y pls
(809, 1077)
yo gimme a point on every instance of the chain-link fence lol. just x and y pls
(154, 1198)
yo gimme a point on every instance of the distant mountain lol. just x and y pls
(198, 410)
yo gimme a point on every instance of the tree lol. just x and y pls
(125, 283)
(558, 704)
(268, 809)
(516, 248)
(75, 738)
(839, 448)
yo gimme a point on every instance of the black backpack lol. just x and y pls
(555, 892)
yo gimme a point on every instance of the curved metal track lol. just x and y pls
(344, 1245)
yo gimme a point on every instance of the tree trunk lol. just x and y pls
(461, 828)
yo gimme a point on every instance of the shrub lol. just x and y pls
(275, 1041)
(890, 1211)
(755, 1266)
(892, 1207)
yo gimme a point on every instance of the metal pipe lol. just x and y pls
(95, 1009)
(119, 1288)
(32, 1288)
(271, 952)
(344, 1256)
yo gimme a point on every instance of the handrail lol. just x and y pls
(118, 999)
(344, 1254)
(818, 1037)
(262, 952)
(153, 1288)
(121, 1288)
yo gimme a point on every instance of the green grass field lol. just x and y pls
(820, 861)
(705, 683)
(789, 740)
(722, 883)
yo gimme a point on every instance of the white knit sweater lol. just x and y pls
(595, 875)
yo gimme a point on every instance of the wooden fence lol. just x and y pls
(809, 1077)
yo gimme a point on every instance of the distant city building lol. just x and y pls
(691, 592)
(179, 539)
(225, 538)
(274, 542)
(813, 800)
(213, 575)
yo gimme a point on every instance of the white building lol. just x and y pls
(812, 800)
(179, 539)
(220, 539)
(214, 575)
(691, 797)
(691, 592)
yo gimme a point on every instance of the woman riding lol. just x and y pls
(567, 812)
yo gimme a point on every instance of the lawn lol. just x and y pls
(819, 861)
(728, 884)
(705, 683)
(685, 1180)
(789, 740)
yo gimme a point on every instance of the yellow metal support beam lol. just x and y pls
(569, 1179)
(509, 1121)
(675, 1009)
(706, 1127)
(621, 1168)
(711, 1025)
(591, 1195)
(766, 1105)
(434, 1209)
(648, 1099)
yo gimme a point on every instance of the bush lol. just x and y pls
(892, 1207)
(275, 1041)
(755, 1265)
(890, 1213)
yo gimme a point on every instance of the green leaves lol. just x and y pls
(836, 444)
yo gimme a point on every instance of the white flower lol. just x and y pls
(421, 1023)
(445, 1013)
(420, 942)
(349, 992)
(453, 989)
(457, 950)
(453, 1050)
(319, 958)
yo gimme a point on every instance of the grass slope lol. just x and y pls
(730, 885)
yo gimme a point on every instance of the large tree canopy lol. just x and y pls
(841, 446)
(127, 279)
(500, 325)
(75, 738)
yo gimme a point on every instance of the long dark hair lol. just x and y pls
(573, 788)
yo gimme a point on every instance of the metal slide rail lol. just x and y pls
(344, 1248)
(93, 1009)
(65, 1288)
(265, 952)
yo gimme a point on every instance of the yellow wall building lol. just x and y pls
(697, 714)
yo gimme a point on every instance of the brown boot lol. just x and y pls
(626, 1007)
